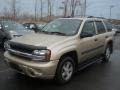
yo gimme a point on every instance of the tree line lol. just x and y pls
(69, 8)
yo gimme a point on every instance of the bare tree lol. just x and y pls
(50, 4)
(74, 4)
(69, 7)
(12, 10)
(64, 7)
(15, 10)
(6, 13)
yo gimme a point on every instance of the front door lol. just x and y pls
(87, 45)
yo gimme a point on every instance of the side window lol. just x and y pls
(109, 26)
(89, 28)
(100, 27)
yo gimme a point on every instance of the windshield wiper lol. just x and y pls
(44, 31)
(60, 33)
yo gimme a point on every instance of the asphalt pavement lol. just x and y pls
(99, 76)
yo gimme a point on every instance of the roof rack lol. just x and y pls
(95, 17)
(85, 17)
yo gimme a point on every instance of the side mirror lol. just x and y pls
(33, 28)
(83, 35)
(26, 27)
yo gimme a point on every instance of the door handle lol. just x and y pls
(106, 36)
(95, 39)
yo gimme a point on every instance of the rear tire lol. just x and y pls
(107, 54)
(65, 70)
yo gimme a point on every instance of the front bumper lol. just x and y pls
(31, 68)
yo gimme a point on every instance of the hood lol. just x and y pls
(40, 39)
(21, 32)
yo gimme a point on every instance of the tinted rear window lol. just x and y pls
(100, 27)
(109, 26)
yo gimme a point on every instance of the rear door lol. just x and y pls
(101, 36)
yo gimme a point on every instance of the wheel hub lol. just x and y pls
(67, 70)
(107, 53)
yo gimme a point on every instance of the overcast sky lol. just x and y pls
(94, 7)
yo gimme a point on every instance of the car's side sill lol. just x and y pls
(89, 62)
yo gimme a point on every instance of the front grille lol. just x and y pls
(23, 50)
(20, 47)
(19, 56)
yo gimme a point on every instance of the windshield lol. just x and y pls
(63, 26)
(10, 25)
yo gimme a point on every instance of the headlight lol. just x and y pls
(41, 55)
(14, 34)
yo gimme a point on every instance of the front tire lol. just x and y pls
(3, 44)
(65, 70)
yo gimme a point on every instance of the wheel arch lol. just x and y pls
(110, 42)
(72, 54)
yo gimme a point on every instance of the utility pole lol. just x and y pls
(48, 1)
(13, 9)
(35, 10)
(85, 6)
(49, 9)
(41, 8)
(111, 6)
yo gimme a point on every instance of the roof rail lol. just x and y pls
(95, 17)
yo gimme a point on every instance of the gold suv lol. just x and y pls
(62, 47)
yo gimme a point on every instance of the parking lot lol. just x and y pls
(99, 76)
